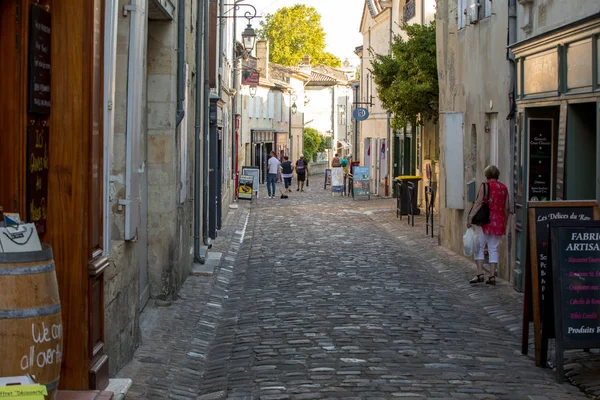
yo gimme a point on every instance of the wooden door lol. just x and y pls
(97, 262)
(12, 117)
(72, 126)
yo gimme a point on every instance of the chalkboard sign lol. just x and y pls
(540, 159)
(576, 273)
(37, 176)
(538, 301)
(40, 28)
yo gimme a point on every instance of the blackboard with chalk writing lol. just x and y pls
(538, 299)
(576, 275)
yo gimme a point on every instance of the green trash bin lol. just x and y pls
(404, 203)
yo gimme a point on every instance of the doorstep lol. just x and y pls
(84, 395)
(116, 390)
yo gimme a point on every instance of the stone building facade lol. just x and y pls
(387, 152)
(557, 96)
(474, 78)
(150, 163)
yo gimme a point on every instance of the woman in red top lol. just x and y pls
(491, 233)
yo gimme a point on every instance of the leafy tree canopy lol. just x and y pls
(293, 32)
(407, 79)
(312, 140)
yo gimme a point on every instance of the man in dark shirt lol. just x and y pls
(302, 172)
(287, 170)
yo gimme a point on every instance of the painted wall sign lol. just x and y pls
(540, 159)
(37, 176)
(360, 114)
(39, 60)
(576, 274)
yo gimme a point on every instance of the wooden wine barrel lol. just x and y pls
(31, 332)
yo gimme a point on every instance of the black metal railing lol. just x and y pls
(429, 204)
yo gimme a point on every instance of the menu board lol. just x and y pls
(361, 181)
(37, 176)
(255, 173)
(538, 301)
(245, 189)
(39, 60)
(540, 159)
(576, 273)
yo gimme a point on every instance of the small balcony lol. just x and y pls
(409, 11)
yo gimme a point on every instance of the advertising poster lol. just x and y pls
(362, 181)
(337, 180)
(245, 188)
(255, 173)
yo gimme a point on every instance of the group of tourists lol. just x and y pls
(287, 172)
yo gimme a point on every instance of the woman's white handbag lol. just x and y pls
(19, 238)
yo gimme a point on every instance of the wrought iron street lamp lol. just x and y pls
(249, 37)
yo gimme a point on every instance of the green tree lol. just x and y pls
(312, 140)
(407, 79)
(293, 32)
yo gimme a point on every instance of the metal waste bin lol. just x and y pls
(404, 199)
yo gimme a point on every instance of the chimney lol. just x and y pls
(262, 54)
(305, 65)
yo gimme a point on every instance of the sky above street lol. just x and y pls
(340, 20)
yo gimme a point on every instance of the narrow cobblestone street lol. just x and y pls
(323, 297)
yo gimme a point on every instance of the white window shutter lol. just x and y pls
(271, 105)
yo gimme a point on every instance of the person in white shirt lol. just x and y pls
(272, 175)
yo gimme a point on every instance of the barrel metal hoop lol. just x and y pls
(52, 385)
(36, 269)
(30, 312)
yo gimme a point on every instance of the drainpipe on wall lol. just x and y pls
(180, 61)
(198, 124)
(512, 116)
(234, 130)
(388, 160)
(206, 126)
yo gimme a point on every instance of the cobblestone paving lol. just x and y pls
(326, 301)
(323, 297)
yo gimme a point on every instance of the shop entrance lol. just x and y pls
(261, 156)
(580, 168)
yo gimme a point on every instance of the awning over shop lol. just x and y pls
(263, 135)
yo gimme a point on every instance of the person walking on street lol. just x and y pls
(287, 170)
(336, 162)
(495, 194)
(344, 164)
(272, 175)
(302, 172)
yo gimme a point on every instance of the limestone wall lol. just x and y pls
(474, 81)
(157, 259)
